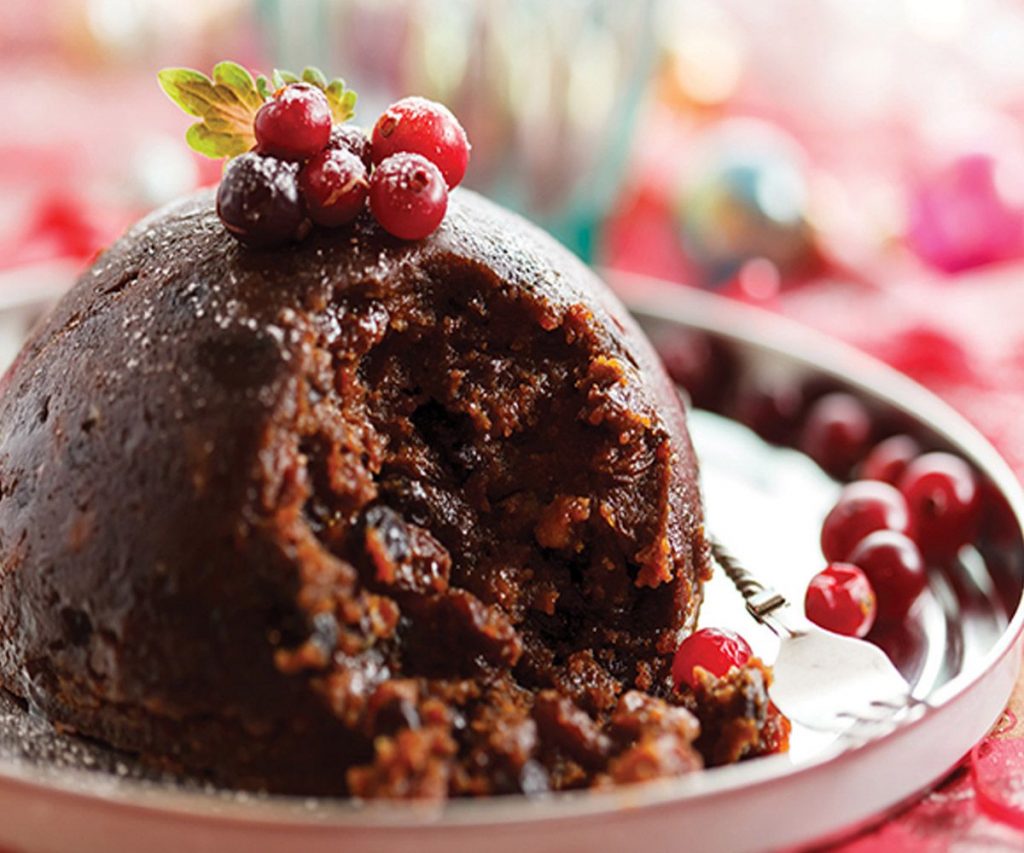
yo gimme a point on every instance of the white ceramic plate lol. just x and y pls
(960, 652)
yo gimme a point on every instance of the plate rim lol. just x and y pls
(656, 300)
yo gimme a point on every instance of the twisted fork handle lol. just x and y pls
(762, 601)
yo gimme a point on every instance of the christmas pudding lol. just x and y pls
(405, 515)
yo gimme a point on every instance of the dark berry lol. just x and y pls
(945, 500)
(408, 196)
(862, 508)
(334, 186)
(836, 433)
(841, 599)
(353, 139)
(258, 200)
(772, 410)
(889, 459)
(713, 649)
(895, 567)
(423, 127)
(295, 123)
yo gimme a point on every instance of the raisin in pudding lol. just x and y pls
(359, 516)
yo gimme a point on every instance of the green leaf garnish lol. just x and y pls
(227, 103)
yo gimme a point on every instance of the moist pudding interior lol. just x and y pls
(479, 476)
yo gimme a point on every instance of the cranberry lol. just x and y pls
(353, 139)
(408, 196)
(944, 499)
(863, 507)
(836, 433)
(713, 649)
(258, 200)
(772, 410)
(894, 565)
(423, 127)
(889, 459)
(334, 186)
(295, 123)
(841, 599)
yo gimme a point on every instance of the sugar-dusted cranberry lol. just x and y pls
(863, 507)
(258, 200)
(408, 196)
(836, 433)
(841, 599)
(895, 567)
(353, 139)
(714, 649)
(889, 459)
(295, 123)
(423, 127)
(334, 186)
(945, 500)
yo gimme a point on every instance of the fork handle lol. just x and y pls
(762, 601)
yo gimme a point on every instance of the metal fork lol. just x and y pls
(822, 680)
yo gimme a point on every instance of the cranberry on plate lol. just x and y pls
(896, 569)
(840, 599)
(716, 650)
(862, 508)
(836, 433)
(889, 459)
(944, 498)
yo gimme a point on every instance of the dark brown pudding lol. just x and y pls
(356, 516)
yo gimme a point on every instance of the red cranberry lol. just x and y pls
(353, 139)
(840, 599)
(772, 410)
(334, 186)
(889, 459)
(836, 433)
(863, 507)
(258, 200)
(408, 196)
(713, 649)
(423, 127)
(295, 123)
(945, 500)
(894, 565)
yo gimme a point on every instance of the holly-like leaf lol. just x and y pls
(283, 78)
(314, 76)
(342, 100)
(225, 105)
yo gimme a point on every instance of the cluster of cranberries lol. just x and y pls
(908, 510)
(305, 171)
(904, 510)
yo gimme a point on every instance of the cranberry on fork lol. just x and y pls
(841, 599)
